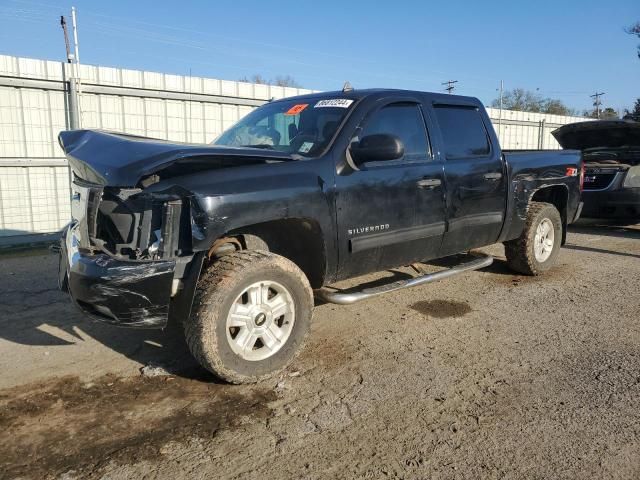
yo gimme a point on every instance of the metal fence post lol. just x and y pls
(541, 135)
(74, 117)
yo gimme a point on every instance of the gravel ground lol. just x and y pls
(488, 375)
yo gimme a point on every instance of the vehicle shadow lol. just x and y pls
(599, 250)
(500, 267)
(36, 313)
(604, 228)
(607, 228)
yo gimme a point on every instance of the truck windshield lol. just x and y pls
(304, 127)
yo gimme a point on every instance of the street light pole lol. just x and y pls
(500, 116)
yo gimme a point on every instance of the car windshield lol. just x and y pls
(304, 127)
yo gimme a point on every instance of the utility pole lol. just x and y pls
(597, 102)
(450, 85)
(500, 117)
(76, 80)
(75, 34)
(74, 76)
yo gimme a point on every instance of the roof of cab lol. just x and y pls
(366, 92)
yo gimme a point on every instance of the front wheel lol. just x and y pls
(537, 248)
(251, 314)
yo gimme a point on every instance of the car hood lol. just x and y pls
(116, 159)
(598, 134)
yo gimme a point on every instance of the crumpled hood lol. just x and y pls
(598, 134)
(121, 160)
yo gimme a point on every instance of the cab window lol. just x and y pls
(463, 131)
(404, 120)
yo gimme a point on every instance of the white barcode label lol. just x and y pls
(335, 102)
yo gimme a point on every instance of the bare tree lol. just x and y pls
(286, 81)
(256, 78)
(279, 81)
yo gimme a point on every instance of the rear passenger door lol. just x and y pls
(475, 178)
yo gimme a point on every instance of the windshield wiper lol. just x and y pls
(286, 157)
(265, 146)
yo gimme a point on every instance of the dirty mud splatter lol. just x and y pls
(66, 424)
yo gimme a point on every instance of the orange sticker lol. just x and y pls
(296, 109)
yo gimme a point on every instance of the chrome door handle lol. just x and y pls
(492, 176)
(429, 183)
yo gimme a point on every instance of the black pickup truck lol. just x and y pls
(233, 239)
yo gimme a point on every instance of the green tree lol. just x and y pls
(556, 107)
(523, 100)
(635, 113)
(635, 30)
(609, 114)
(520, 100)
(606, 113)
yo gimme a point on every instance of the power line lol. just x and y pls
(450, 85)
(131, 27)
(170, 34)
(153, 35)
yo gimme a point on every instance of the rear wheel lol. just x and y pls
(251, 314)
(539, 244)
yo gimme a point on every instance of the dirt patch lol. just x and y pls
(442, 308)
(501, 274)
(66, 424)
(540, 380)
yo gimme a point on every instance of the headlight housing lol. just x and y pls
(632, 179)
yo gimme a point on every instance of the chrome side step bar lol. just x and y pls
(337, 296)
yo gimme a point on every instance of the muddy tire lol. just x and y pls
(537, 248)
(251, 315)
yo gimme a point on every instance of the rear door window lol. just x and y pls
(463, 131)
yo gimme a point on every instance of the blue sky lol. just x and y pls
(563, 49)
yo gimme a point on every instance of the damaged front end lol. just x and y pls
(124, 254)
(127, 255)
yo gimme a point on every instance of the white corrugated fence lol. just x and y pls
(34, 181)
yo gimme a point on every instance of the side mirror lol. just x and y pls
(376, 148)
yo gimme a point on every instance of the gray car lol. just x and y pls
(611, 150)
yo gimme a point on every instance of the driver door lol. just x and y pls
(391, 213)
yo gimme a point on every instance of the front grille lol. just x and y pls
(597, 181)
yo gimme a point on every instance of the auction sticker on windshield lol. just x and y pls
(335, 102)
(296, 109)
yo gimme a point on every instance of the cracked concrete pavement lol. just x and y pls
(488, 375)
